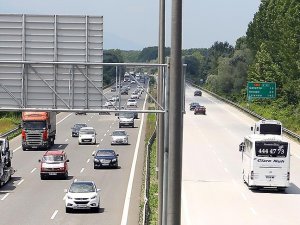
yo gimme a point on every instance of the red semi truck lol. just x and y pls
(38, 130)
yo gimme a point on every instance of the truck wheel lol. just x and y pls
(8, 163)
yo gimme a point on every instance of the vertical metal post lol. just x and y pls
(160, 97)
(175, 117)
(24, 68)
(165, 194)
(55, 67)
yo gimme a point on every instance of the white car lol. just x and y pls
(115, 98)
(110, 103)
(87, 135)
(119, 137)
(131, 102)
(135, 95)
(82, 195)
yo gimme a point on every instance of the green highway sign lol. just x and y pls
(261, 90)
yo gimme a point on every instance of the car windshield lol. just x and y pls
(126, 115)
(87, 132)
(79, 125)
(85, 187)
(105, 153)
(119, 133)
(53, 158)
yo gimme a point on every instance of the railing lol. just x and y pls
(10, 132)
(147, 179)
(288, 132)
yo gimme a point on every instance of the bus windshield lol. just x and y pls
(271, 149)
(270, 129)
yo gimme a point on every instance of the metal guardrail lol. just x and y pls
(288, 132)
(10, 132)
(147, 179)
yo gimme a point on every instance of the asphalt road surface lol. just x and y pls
(213, 192)
(28, 200)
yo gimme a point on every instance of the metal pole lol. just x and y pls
(160, 97)
(175, 117)
(166, 149)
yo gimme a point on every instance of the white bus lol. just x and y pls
(265, 161)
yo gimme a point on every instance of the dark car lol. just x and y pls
(198, 93)
(80, 113)
(193, 105)
(200, 110)
(105, 158)
(124, 91)
(76, 128)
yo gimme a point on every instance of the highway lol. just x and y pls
(28, 200)
(212, 188)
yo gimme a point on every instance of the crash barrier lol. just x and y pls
(146, 208)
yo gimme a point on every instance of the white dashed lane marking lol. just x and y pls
(5, 196)
(54, 214)
(87, 161)
(81, 170)
(32, 170)
(21, 181)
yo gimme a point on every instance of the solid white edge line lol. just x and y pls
(32, 170)
(17, 149)
(21, 181)
(54, 214)
(185, 208)
(5, 196)
(132, 171)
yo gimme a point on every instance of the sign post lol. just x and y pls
(261, 90)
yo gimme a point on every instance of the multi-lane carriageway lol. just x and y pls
(28, 200)
(213, 192)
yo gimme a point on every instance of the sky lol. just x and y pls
(134, 24)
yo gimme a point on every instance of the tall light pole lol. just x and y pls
(175, 117)
(160, 145)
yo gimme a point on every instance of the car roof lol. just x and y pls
(87, 128)
(105, 150)
(55, 152)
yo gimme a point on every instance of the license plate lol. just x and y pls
(105, 164)
(51, 174)
(81, 206)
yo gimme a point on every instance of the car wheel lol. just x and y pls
(68, 210)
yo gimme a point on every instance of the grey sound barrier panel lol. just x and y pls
(51, 61)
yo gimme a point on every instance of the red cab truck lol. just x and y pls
(38, 130)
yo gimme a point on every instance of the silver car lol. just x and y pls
(119, 137)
